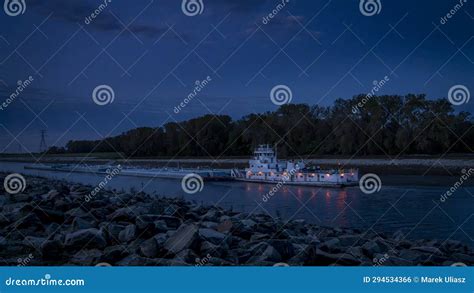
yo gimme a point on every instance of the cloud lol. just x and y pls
(76, 12)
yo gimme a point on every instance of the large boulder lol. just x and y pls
(114, 253)
(270, 254)
(127, 214)
(350, 240)
(149, 248)
(29, 221)
(210, 248)
(160, 226)
(209, 225)
(248, 223)
(370, 248)
(136, 260)
(52, 250)
(225, 226)
(87, 257)
(34, 242)
(257, 237)
(317, 257)
(146, 222)
(77, 212)
(464, 258)
(284, 247)
(16, 209)
(412, 255)
(187, 256)
(49, 215)
(211, 215)
(128, 234)
(427, 249)
(160, 239)
(80, 224)
(87, 238)
(215, 261)
(243, 232)
(185, 237)
(172, 222)
(112, 230)
(212, 236)
(331, 245)
(452, 246)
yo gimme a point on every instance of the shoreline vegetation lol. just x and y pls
(52, 223)
(389, 125)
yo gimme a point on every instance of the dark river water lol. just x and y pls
(414, 209)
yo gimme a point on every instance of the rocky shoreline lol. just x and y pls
(59, 223)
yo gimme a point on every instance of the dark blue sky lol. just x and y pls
(322, 50)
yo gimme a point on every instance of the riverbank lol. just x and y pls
(59, 223)
(449, 165)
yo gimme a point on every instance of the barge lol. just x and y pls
(264, 167)
(172, 173)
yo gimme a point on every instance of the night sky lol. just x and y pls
(151, 54)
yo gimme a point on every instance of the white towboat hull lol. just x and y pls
(264, 167)
(300, 183)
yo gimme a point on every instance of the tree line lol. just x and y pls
(389, 125)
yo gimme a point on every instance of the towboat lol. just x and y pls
(265, 167)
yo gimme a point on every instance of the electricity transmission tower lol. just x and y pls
(43, 147)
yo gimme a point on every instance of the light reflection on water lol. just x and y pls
(393, 208)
